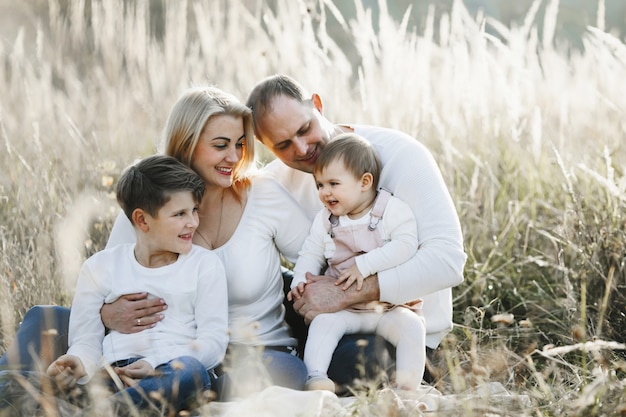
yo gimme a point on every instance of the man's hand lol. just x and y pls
(66, 371)
(323, 296)
(133, 313)
(131, 374)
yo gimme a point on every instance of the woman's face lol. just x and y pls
(219, 150)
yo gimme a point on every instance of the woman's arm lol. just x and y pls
(210, 316)
(133, 313)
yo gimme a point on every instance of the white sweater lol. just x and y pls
(397, 231)
(195, 322)
(272, 224)
(411, 174)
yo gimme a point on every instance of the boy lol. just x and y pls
(160, 196)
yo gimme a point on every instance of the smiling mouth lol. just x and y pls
(186, 236)
(312, 157)
(224, 170)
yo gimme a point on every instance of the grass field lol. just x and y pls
(530, 138)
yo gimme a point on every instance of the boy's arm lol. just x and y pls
(86, 331)
(211, 313)
(211, 316)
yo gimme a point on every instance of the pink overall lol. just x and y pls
(403, 327)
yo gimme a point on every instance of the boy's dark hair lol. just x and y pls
(149, 183)
(357, 154)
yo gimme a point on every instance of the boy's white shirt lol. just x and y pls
(272, 224)
(195, 322)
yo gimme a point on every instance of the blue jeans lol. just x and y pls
(178, 382)
(283, 368)
(358, 356)
(25, 351)
(250, 369)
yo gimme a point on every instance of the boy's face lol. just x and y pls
(174, 225)
(340, 191)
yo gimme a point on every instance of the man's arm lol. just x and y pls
(321, 295)
(410, 172)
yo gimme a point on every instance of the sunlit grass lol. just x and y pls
(530, 140)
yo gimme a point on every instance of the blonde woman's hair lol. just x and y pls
(189, 116)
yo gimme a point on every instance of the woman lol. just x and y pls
(248, 220)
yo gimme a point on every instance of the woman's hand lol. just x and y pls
(133, 313)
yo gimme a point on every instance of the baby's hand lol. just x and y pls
(350, 276)
(296, 292)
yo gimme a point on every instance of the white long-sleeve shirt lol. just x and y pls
(272, 223)
(195, 323)
(410, 174)
(396, 228)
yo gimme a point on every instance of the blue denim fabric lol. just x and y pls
(250, 369)
(27, 341)
(285, 369)
(178, 382)
(361, 356)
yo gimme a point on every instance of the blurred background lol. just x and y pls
(573, 15)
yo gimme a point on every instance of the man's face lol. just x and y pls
(295, 132)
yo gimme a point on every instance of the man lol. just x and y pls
(290, 123)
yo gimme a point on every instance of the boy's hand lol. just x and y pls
(296, 292)
(350, 276)
(132, 373)
(66, 371)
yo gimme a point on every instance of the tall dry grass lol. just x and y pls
(530, 139)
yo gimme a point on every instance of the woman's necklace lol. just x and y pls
(213, 244)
